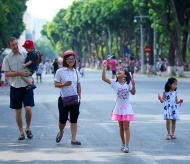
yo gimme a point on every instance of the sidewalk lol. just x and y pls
(186, 74)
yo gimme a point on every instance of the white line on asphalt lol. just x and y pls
(145, 157)
(108, 129)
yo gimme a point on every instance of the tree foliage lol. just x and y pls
(11, 19)
(85, 27)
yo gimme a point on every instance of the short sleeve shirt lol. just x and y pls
(64, 74)
(13, 63)
(31, 56)
(40, 68)
(113, 64)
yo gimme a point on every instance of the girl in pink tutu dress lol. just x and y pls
(122, 112)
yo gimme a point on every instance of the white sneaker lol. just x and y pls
(122, 147)
(126, 149)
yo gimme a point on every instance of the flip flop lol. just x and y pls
(58, 139)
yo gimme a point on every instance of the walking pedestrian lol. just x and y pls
(170, 100)
(39, 72)
(68, 80)
(113, 64)
(122, 112)
(19, 95)
(55, 66)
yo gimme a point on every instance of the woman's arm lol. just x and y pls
(79, 90)
(59, 85)
(104, 74)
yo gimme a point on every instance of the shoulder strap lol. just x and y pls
(77, 80)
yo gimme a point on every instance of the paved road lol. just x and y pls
(98, 134)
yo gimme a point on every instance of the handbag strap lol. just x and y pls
(77, 80)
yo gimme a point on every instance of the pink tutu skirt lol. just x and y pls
(128, 117)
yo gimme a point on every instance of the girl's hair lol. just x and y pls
(170, 81)
(65, 63)
(127, 78)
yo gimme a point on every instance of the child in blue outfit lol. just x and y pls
(30, 64)
(171, 102)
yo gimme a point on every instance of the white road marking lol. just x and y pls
(145, 157)
(108, 129)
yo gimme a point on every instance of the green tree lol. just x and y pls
(44, 46)
(174, 16)
(11, 19)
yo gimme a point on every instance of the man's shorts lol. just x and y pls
(113, 72)
(38, 74)
(21, 96)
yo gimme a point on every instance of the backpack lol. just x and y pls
(38, 58)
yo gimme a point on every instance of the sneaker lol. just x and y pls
(122, 147)
(29, 134)
(21, 137)
(126, 149)
(31, 87)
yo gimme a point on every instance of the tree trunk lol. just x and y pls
(171, 69)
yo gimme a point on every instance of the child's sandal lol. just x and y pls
(168, 137)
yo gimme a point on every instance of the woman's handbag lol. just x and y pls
(70, 100)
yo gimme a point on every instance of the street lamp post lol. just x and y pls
(142, 44)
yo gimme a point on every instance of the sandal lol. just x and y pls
(76, 143)
(168, 137)
(21, 137)
(173, 136)
(29, 134)
(58, 139)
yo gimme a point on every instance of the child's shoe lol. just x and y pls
(31, 87)
(122, 147)
(126, 149)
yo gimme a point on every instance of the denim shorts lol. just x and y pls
(21, 96)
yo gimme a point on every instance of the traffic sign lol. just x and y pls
(147, 49)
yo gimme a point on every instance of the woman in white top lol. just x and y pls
(68, 80)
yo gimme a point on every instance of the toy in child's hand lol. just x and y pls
(131, 76)
(159, 97)
(104, 61)
(132, 80)
(180, 102)
(109, 57)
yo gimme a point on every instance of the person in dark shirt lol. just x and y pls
(30, 64)
(55, 66)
